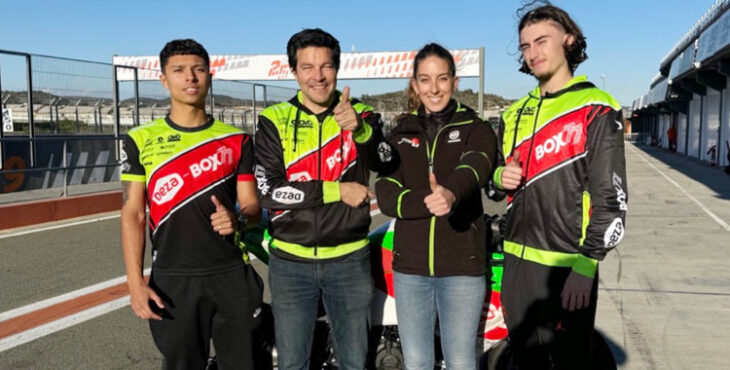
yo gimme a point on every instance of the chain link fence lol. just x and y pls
(63, 118)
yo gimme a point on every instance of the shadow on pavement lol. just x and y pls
(619, 355)
(712, 177)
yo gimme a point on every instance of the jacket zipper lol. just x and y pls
(527, 167)
(430, 151)
(319, 177)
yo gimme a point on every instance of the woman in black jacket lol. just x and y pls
(446, 156)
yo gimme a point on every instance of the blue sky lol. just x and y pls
(626, 39)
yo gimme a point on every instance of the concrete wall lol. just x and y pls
(710, 125)
(665, 121)
(724, 126)
(681, 132)
(694, 122)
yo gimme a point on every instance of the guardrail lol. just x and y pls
(65, 166)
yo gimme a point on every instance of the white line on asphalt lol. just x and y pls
(710, 213)
(81, 222)
(60, 324)
(63, 297)
(104, 218)
(77, 318)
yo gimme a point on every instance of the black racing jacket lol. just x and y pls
(301, 158)
(461, 156)
(571, 207)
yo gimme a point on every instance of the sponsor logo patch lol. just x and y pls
(454, 137)
(571, 134)
(414, 142)
(384, 152)
(166, 188)
(304, 123)
(528, 111)
(224, 156)
(336, 157)
(300, 176)
(620, 194)
(261, 182)
(288, 195)
(614, 233)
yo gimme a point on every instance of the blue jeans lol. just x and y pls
(346, 288)
(457, 300)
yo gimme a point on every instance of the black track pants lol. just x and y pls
(542, 334)
(223, 306)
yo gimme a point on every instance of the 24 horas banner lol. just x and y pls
(383, 64)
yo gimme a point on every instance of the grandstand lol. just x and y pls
(690, 93)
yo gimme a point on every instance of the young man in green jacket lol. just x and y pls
(566, 177)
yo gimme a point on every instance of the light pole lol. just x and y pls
(603, 80)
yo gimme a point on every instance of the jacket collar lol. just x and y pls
(576, 83)
(410, 123)
(298, 101)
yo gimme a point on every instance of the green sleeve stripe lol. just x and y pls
(471, 168)
(330, 191)
(400, 200)
(363, 134)
(473, 152)
(133, 178)
(497, 177)
(579, 263)
(586, 216)
(391, 180)
(586, 266)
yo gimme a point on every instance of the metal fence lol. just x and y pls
(62, 116)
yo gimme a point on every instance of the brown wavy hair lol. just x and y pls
(575, 53)
(432, 49)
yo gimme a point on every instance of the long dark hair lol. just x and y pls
(575, 53)
(432, 49)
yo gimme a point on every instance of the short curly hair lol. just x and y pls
(312, 37)
(182, 47)
(575, 53)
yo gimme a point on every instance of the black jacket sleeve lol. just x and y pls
(274, 188)
(475, 167)
(396, 200)
(606, 183)
(493, 189)
(370, 142)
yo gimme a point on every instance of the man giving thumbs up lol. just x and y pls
(313, 155)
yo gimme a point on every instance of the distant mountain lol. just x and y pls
(45, 98)
(467, 97)
(392, 101)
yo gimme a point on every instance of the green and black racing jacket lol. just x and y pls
(570, 208)
(301, 158)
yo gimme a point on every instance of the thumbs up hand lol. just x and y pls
(440, 201)
(345, 114)
(222, 220)
(512, 173)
